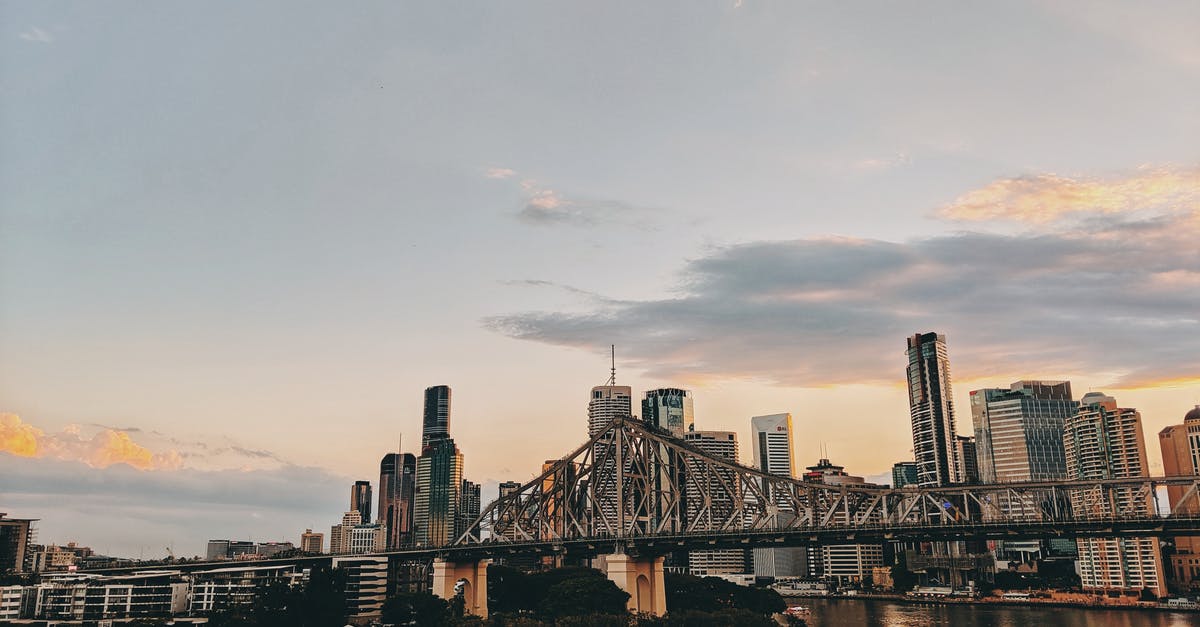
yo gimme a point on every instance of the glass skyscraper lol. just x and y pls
(397, 484)
(669, 409)
(436, 423)
(931, 409)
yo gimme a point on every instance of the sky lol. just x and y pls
(238, 240)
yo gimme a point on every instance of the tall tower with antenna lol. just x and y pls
(609, 401)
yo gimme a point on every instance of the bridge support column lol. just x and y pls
(446, 576)
(642, 578)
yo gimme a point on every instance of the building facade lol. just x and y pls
(669, 409)
(904, 473)
(841, 564)
(360, 499)
(773, 454)
(312, 542)
(1103, 441)
(17, 537)
(435, 424)
(931, 410)
(1180, 446)
(721, 445)
(607, 403)
(438, 493)
(966, 461)
(397, 486)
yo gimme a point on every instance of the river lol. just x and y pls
(856, 612)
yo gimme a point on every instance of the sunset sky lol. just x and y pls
(238, 240)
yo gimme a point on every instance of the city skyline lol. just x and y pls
(230, 262)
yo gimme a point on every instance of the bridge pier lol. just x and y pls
(642, 578)
(446, 576)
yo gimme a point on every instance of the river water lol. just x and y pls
(855, 612)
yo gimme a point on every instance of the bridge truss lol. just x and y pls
(633, 483)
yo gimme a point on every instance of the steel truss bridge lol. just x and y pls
(636, 489)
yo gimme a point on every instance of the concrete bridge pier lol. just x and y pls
(473, 574)
(642, 578)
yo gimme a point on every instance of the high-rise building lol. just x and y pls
(1181, 457)
(931, 409)
(773, 455)
(17, 537)
(436, 423)
(1019, 437)
(966, 461)
(840, 563)
(1103, 441)
(669, 409)
(397, 484)
(904, 473)
(340, 534)
(721, 445)
(608, 402)
(468, 509)
(312, 542)
(1019, 431)
(360, 499)
(438, 493)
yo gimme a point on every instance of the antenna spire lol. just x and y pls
(612, 378)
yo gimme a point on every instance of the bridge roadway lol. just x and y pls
(662, 544)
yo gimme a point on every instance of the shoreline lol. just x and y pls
(907, 600)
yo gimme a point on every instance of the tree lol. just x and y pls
(730, 617)
(508, 590)
(712, 594)
(412, 608)
(583, 596)
(903, 579)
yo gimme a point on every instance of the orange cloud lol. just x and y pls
(17, 437)
(1049, 197)
(104, 449)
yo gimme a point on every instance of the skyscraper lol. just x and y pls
(773, 455)
(1019, 431)
(1019, 437)
(1103, 441)
(931, 409)
(436, 423)
(468, 509)
(360, 500)
(397, 485)
(1181, 457)
(608, 402)
(669, 409)
(312, 542)
(721, 445)
(438, 493)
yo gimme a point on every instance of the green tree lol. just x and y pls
(712, 594)
(508, 590)
(582, 596)
(729, 617)
(903, 579)
(416, 608)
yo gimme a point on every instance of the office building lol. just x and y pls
(397, 486)
(669, 409)
(366, 584)
(360, 500)
(607, 403)
(312, 542)
(1180, 446)
(468, 509)
(966, 461)
(1103, 441)
(1019, 437)
(841, 564)
(436, 422)
(931, 410)
(904, 473)
(17, 537)
(339, 535)
(438, 493)
(722, 445)
(772, 453)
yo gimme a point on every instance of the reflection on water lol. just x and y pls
(838, 613)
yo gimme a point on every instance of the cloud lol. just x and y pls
(1115, 298)
(1047, 197)
(499, 173)
(883, 163)
(37, 35)
(547, 207)
(127, 510)
(104, 449)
